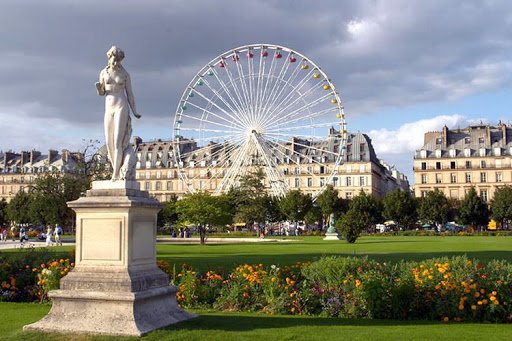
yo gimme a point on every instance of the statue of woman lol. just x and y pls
(116, 86)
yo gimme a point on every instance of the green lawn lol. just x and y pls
(251, 326)
(386, 249)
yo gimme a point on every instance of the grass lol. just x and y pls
(252, 326)
(388, 249)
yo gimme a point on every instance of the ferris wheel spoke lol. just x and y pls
(288, 82)
(299, 128)
(222, 159)
(312, 147)
(286, 156)
(205, 110)
(224, 149)
(282, 116)
(268, 79)
(232, 128)
(270, 167)
(276, 83)
(310, 116)
(232, 81)
(245, 91)
(292, 93)
(223, 100)
(228, 92)
(259, 84)
(234, 169)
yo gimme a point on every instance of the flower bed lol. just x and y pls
(447, 289)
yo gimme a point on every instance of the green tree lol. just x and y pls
(472, 210)
(367, 207)
(18, 208)
(169, 215)
(250, 199)
(50, 193)
(400, 207)
(434, 207)
(329, 202)
(313, 215)
(3, 212)
(295, 204)
(350, 225)
(501, 205)
(203, 210)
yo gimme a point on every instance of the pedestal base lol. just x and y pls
(333, 236)
(112, 313)
(116, 287)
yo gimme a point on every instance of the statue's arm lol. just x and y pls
(100, 86)
(129, 96)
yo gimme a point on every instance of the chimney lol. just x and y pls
(65, 155)
(33, 156)
(445, 136)
(136, 141)
(25, 157)
(51, 156)
(488, 135)
(504, 134)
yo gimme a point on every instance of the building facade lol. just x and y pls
(362, 170)
(453, 161)
(157, 172)
(19, 170)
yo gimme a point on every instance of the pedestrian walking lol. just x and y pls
(57, 233)
(49, 232)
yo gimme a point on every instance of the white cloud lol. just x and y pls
(409, 137)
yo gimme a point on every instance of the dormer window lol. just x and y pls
(439, 140)
(467, 140)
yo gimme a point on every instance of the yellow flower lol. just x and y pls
(461, 306)
(446, 319)
(473, 307)
(479, 302)
(477, 294)
(358, 283)
(482, 291)
(494, 293)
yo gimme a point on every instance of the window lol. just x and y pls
(348, 195)
(497, 163)
(453, 178)
(439, 140)
(158, 175)
(483, 164)
(481, 140)
(169, 185)
(310, 170)
(438, 165)
(453, 165)
(285, 171)
(297, 182)
(439, 178)
(424, 194)
(483, 195)
(310, 182)
(483, 177)
(362, 168)
(361, 181)
(322, 182)
(482, 151)
(147, 186)
(498, 177)
(158, 186)
(349, 181)
(423, 178)
(322, 169)
(335, 181)
(452, 152)
(468, 164)
(467, 152)
(467, 140)
(438, 152)
(148, 175)
(468, 177)
(296, 171)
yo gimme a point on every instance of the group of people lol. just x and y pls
(3, 234)
(56, 233)
(183, 233)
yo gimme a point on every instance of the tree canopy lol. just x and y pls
(434, 207)
(295, 205)
(400, 207)
(473, 210)
(501, 205)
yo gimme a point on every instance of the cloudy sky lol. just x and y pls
(403, 67)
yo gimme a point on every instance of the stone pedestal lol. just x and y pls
(116, 287)
(333, 236)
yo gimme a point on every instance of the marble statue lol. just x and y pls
(115, 85)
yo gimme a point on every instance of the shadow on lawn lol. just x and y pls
(237, 323)
(230, 261)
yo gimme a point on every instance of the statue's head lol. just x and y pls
(114, 56)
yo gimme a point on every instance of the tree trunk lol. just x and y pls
(202, 234)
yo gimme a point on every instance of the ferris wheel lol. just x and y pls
(259, 106)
